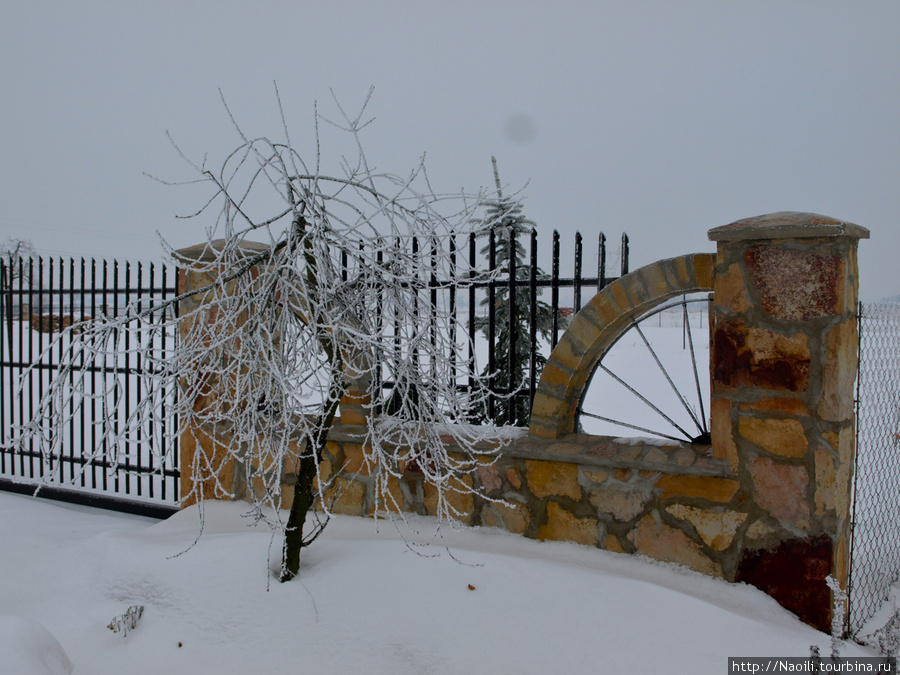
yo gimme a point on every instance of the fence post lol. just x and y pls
(217, 473)
(783, 365)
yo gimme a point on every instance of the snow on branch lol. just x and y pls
(312, 290)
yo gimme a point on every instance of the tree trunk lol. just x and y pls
(304, 496)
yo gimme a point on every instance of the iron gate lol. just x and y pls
(39, 299)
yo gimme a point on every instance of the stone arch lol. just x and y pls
(597, 326)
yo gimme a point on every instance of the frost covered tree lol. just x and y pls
(506, 226)
(321, 308)
(14, 253)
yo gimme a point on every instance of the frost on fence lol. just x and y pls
(875, 563)
(89, 406)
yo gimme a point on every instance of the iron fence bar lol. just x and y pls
(6, 306)
(433, 283)
(137, 383)
(415, 351)
(8, 345)
(71, 393)
(81, 433)
(379, 324)
(50, 380)
(472, 273)
(93, 375)
(513, 329)
(4, 345)
(577, 269)
(104, 475)
(30, 358)
(151, 436)
(115, 411)
(492, 315)
(601, 261)
(532, 317)
(554, 291)
(453, 328)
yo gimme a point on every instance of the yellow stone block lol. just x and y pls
(547, 479)
(511, 516)
(607, 310)
(355, 460)
(706, 487)
(553, 375)
(620, 297)
(833, 471)
(704, 270)
(731, 290)
(611, 543)
(595, 475)
(839, 372)
(391, 498)
(716, 528)
(457, 495)
(348, 497)
(654, 278)
(661, 542)
(564, 526)
(783, 437)
(571, 350)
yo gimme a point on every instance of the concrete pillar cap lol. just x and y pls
(206, 252)
(787, 225)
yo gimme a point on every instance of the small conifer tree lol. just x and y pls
(504, 219)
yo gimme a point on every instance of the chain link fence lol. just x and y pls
(875, 553)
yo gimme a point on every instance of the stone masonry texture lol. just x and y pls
(767, 503)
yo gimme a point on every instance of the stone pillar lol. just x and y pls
(216, 475)
(783, 364)
(212, 474)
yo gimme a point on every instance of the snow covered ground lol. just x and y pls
(363, 603)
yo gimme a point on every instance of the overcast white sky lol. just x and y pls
(663, 119)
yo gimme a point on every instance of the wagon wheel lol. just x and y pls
(616, 311)
(669, 394)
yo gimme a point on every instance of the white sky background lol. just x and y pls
(658, 118)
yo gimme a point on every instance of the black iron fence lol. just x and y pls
(41, 297)
(38, 299)
(501, 305)
(875, 551)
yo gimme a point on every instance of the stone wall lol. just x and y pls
(767, 502)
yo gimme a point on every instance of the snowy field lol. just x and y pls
(363, 603)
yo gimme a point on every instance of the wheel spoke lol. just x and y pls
(630, 426)
(645, 400)
(662, 368)
(687, 322)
